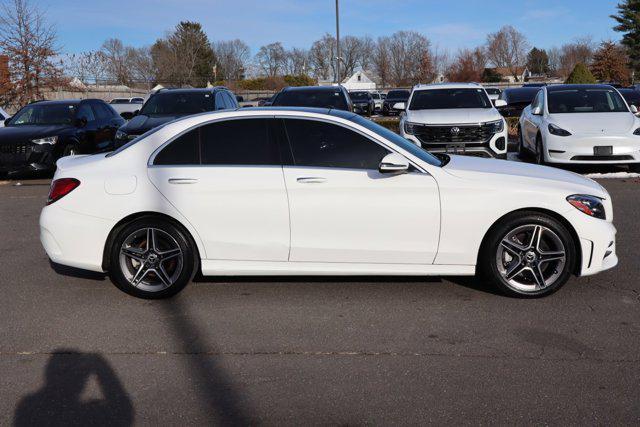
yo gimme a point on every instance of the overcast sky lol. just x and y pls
(84, 24)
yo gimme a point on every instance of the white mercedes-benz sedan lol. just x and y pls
(317, 192)
(574, 124)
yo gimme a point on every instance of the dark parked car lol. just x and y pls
(393, 97)
(42, 132)
(333, 97)
(517, 100)
(534, 85)
(630, 95)
(363, 102)
(170, 104)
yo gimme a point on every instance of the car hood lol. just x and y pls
(11, 134)
(595, 123)
(141, 124)
(453, 116)
(522, 176)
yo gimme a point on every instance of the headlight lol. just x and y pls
(558, 131)
(498, 125)
(48, 140)
(121, 135)
(590, 205)
(411, 128)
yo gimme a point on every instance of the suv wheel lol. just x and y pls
(152, 258)
(528, 255)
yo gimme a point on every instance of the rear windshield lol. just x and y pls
(398, 94)
(360, 96)
(446, 99)
(311, 98)
(631, 96)
(184, 103)
(585, 101)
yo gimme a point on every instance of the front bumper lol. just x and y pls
(495, 147)
(26, 156)
(362, 108)
(580, 149)
(597, 243)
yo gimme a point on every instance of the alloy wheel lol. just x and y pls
(151, 259)
(531, 258)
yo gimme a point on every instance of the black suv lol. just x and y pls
(393, 97)
(332, 97)
(363, 102)
(170, 104)
(42, 132)
(517, 99)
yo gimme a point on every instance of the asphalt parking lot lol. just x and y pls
(314, 351)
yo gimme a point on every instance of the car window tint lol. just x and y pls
(184, 150)
(221, 101)
(315, 143)
(231, 100)
(85, 112)
(102, 111)
(238, 142)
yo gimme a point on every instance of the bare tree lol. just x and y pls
(271, 59)
(116, 55)
(88, 67)
(555, 59)
(142, 67)
(578, 52)
(382, 60)
(507, 48)
(468, 66)
(30, 43)
(233, 57)
(408, 50)
(296, 62)
(322, 57)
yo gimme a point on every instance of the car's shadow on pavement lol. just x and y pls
(78, 273)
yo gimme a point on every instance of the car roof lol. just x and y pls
(191, 90)
(454, 85)
(557, 88)
(311, 88)
(327, 111)
(59, 102)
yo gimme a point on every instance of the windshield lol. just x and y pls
(311, 98)
(119, 101)
(446, 99)
(375, 95)
(45, 114)
(585, 101)
(398, 94)
(359, 96)
(178, 104)
(398, 140)
(136, 140)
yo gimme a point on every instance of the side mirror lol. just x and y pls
(81, 122)
(400, 106)
(634, 109)
(536, 111)
(500, 103)
(393, 163)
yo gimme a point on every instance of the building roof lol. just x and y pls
(506, 72)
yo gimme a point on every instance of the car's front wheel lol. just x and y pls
(152, 258)
(539, 150)
(528, 255)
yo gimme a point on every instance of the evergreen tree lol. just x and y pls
(538, 61)
(581, 75)
(628, 19)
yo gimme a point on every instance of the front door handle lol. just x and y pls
(182, 180)
(311, 180)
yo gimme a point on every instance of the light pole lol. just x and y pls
(337, 42)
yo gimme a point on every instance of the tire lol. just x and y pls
(152, 271)
(508, 260)
(539, 150)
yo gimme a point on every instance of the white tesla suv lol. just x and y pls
(317, 192)
(456, 118)
(574, 124)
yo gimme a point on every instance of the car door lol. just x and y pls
(343, 210)
(226, 179)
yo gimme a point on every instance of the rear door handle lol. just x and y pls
(311, 180)
(182, 180)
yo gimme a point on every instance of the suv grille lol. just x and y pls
(15, 148)
(453, 133)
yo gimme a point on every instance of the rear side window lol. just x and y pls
(184, 150)
(238, 142)
(321, 144)
(103, 111)
(231, 142)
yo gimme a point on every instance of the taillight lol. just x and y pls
(60, 188)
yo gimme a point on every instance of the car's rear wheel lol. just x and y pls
(152, 258)
(528, 255)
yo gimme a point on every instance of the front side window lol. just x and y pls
(183, 103)
(585, 101)
(446, 99)
(44, 114)
(320, 144)
(86, 112)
